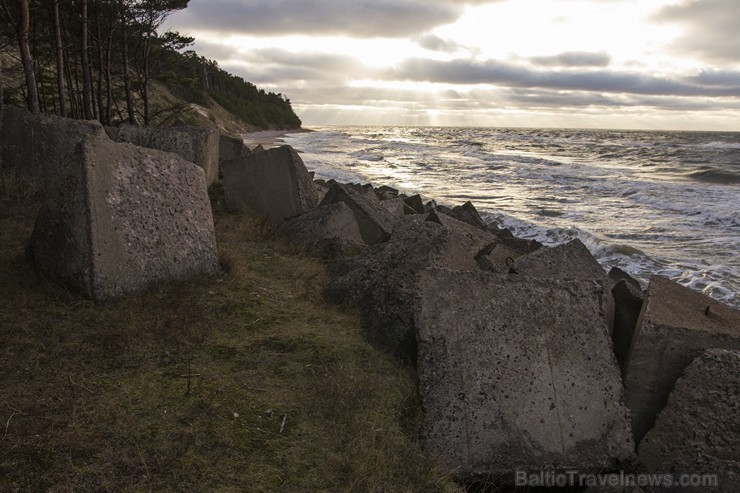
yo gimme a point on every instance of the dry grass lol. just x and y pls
(246, 381)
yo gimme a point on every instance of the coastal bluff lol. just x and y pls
(524, 357)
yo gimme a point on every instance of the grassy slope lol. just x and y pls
(284, 394)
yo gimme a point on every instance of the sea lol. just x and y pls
(648, 202)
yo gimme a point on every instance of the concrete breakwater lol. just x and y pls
(528, 358)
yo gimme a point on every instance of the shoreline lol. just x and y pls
(269, 138)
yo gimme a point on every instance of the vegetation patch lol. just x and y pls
(246, 381)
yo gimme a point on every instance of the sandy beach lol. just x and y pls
(268, 138)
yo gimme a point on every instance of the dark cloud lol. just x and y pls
(463, 71)
(356, 18)
(711, 28)
(573, 59)
(435, 43)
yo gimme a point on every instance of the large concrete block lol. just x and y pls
(698, 432)
(35, 144)
(231, 147)
(118, 219)
(675, 326)
(195, 144)
(518, 374)
(627, 306)
(467, 213)
(479, 237)
(323, 223)
(375, 221)
(570, 260)
(382, 281)
(274, 183)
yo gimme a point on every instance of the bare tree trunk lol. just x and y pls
(145, 79)
(127, 78)
(60, 60)
(26, 60)
(85, 61)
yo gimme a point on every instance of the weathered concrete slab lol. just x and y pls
(467, 213)
(35, 144)
(385, 192)
(231, 147)
(479, 237)
(616, 274)
(676, 325)
(415, 203)
(323, 223)
(627, 306)
(196, 144)
(498, 258)
(521, 245)
(697, 432)
(397, 207)
(274, 183)
(382, 280)
(118, 219)
(570, 260)
(375, 221)
(518, 374)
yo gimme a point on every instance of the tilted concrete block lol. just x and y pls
(118, 219)
(195, 144)
(518, 374)
(675, 326)
(697, 432)
(274, 183)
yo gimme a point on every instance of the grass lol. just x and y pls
(246, 381)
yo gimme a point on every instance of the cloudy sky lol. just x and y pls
(662, 64)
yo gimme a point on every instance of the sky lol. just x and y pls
(635, 64)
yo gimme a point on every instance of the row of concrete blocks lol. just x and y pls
(124, 209)
(528, 358)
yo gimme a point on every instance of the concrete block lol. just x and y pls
(697, 432)
(274, 183)
(118, 219)
(675, 326)
(382, 280)
(570, 260)
(518, 374)
(375, 221)
(322, 223)
(33, 145)
(195, 144)
(231, 147)
(627, 306)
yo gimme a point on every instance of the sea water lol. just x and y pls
(648, 202)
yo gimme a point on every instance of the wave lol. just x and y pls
(715, 176)
(721, 145)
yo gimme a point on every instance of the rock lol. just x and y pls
(430, 206)
(196, 144)
(479, 238)
(231, 147)
(397, 207)
(385, 193)
(321, 189)
(274, 183)
(517, 374)
(258, 148)
(498, 258)
(336, 248)
(323, 223)
(415, 203)
(616, 274)
(627, 305)
(570, 260)
(375, 221)
(382, 280)
(467, 213)
(521, 245)
(697, 432)
(118, 219)
(33, 145)
(675, 326)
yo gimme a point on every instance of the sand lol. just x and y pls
(268, 138)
